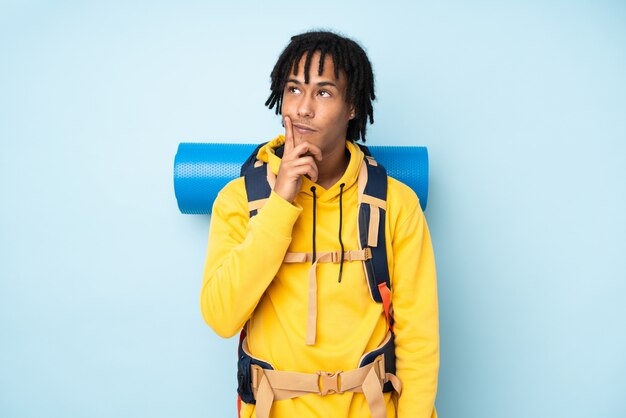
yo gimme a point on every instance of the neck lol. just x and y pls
(332, 166)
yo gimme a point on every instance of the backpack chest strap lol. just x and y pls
(323, 257)
(329, 256)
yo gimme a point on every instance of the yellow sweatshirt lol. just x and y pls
(245, 281)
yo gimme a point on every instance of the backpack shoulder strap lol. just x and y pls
(255, 178)
(257, 188)
(250, 161)
(372, 185)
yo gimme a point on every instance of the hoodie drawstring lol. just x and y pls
(314, 223)
(341, 186)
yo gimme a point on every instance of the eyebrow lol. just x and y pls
(320, 84)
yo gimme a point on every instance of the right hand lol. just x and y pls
(297, 161)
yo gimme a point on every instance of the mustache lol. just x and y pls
(297, 122)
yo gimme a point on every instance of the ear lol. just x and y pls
(352, 112)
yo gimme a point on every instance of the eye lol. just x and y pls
(292, 89)
(324, 93)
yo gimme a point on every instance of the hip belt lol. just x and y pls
(260, 383)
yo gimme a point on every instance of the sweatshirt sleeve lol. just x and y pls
(416, 326)
(243, 256)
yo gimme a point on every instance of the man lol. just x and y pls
(289, 269)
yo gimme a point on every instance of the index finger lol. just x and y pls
(289, 138)
(312, 149)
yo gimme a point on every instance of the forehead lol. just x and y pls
(313, 73)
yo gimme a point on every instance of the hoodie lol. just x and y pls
(246, 283)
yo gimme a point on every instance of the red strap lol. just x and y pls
(385, 294)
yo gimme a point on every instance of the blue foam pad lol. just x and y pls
(202, 170)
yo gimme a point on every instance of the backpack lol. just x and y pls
(372, 242)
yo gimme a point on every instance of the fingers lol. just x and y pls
(289, 178)
(304, 149)
(304, 166)
(298, 160)
(309, 149)
(289, 137)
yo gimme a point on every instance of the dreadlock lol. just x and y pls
(347, 56)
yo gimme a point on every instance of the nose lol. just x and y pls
(305, 107)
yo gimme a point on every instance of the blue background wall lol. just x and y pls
(522, 106)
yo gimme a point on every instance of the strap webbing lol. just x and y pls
(372, 234)
(311, 318)
(329, 256)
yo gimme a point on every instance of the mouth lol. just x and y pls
(302, 129)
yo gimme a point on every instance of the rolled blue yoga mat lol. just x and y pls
(202, 170)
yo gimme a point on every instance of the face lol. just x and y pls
(318, 110)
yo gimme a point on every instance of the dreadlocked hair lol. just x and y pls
(347, 56)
